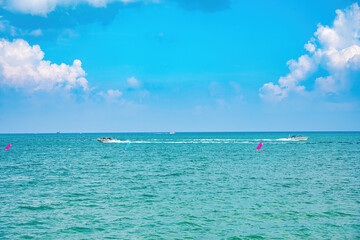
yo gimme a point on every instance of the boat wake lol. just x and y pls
(208, 141)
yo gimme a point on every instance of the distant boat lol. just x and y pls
(58, 132)
(171, 132)
(299, 138)
(294, 138)
(108, 140)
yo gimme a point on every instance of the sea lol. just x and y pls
(180, 186)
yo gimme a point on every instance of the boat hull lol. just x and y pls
(294, 139)
(109, 141)
(299, 139)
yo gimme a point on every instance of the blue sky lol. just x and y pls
(179, 65)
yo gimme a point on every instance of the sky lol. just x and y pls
(179, 65)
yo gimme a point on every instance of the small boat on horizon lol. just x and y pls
(109, 140)
(171, 132)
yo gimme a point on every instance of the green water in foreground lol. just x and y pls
(181, 186)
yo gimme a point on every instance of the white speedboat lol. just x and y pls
(294, 138)
(298, 138)
(108, 140)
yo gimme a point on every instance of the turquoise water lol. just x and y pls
(181, 186)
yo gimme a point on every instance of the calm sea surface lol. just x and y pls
(181, 186)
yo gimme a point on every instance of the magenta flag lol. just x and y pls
(8, 146)
(259, 146)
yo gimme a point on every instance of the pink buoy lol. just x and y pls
(259, 146)
(8, 146)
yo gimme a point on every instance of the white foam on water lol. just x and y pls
(199, 141)
(205, 141)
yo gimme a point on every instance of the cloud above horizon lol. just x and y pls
(44, 7)
(23, 66)
(9, 30)
(334, 50)
(111, 95)
(132, 82)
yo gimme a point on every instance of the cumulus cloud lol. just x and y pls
(336, 50)
(22, 66)
(132, 82)
(43, 7)
(310, 47)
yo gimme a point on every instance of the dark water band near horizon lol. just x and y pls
(180, 186)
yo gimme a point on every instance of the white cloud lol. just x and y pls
(5, 27)
(132, 82)
(310, 47)
(334, 49)
(114, 93)
(22, 66)
(111, 95)
(36, 33)
(8, 29)
(43, 7)
(272, 92)
(327, 84)
(133, 90)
